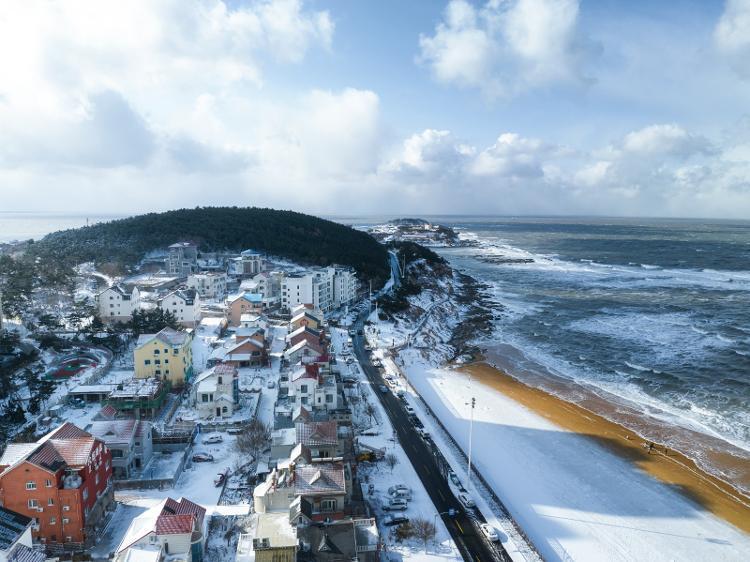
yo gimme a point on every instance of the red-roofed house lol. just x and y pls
(63, 482)
(172, 527)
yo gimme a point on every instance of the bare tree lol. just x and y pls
(391, 461)
(424, 530)
(254, 439)
(370, 411)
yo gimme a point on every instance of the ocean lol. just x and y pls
(15, 225)
(653, 314)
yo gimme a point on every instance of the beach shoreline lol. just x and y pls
(664, 464)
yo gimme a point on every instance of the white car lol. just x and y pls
(466, 501)
(409, 409)
(213, 439)
(398, 488)
(489, 532)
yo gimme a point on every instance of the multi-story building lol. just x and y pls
(182, 259)
(312, 287)
(209, 285)
(185, 304)
(345, 286)
(244, 303)
(251, 263)
(166, 355)
(130, 442)
(169, 530)
(117, 303)
(63, 482)
(141, 398)
(248, 348)
(309, 388)
(216, 392)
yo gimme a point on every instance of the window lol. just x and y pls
(117, 453)
(166, 372)
(329, 398)
(204, 397)
(328, 505)
(32, 503)
(52, 520)
(66, 508)
(157, 372)
(157, 352)
(166, 350)
(48, 483)
(224, 409)
(147, 361)
(51, 501)
(166, 360)
(157, 361)
(31, 485)
(219, 380)
(65, 520)
(303, 388)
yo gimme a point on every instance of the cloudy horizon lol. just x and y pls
(543, 107)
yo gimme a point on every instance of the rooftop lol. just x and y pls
(12, 527)
(167, 335)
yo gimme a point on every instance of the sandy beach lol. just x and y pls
(667, 465)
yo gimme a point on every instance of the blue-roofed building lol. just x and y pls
(242, 304)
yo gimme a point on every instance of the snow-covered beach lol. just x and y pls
(575, 499)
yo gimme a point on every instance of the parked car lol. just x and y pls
(394, 520)
(212, 439)
(270, 384)
(401, 394)
(395, 507)
(203, 457)
(397, 487)
(466, 501)
(235, 431)
(401, 494)
(423, 433)
(383, 389)
(415, 421)
(489, 532)
(393, 502)
(376, 363)
(454, 478)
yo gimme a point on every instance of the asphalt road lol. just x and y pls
(462, 527)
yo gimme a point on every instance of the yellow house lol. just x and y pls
(167, 355)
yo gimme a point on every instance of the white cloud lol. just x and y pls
(506, 47)
(732, 35)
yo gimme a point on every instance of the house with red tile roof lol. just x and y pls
(63, 482)
(172, 527)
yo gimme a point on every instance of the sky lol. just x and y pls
(511, 107)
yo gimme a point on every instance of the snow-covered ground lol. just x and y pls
(575, 499)
(378, 474)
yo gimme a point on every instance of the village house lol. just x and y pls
(141, 398)
(185, 304)
(302, 317)
(308, 387)
(350, 540)
(251, 263)
(323, 485)
(244, 303)
(16, 542)
(129, 441)
(274, 540)
(308, 334)
(170, 529)
(216, 392)
(320, 438)
(247, 348)
(63, 482)
(166, 355)
(304, 352)
(117, 303)
(209, 285)
(182, 259)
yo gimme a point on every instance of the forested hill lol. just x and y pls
(296, 236)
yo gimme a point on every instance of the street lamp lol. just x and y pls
(471, 432)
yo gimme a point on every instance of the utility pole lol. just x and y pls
(471, 432)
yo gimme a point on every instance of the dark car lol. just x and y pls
(203, 457)
(394, 520)
(383, 388)
(415, 421)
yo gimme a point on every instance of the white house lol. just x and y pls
(209, 285)
(216, 392)
(117, 303)
(185, 304)
(170, 528)
(309, 388)
(345, 286)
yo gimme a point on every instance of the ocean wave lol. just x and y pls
(633, 274)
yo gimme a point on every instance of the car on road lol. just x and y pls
(401, 394)
(394, 520)
(213, 439)
(415, 421)
(360, 332)
(409, 409)
(376, 362)
(203, 457)
(352, 333)
(423, 433)
(489, 532)
(466, 501)
(383, 389)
